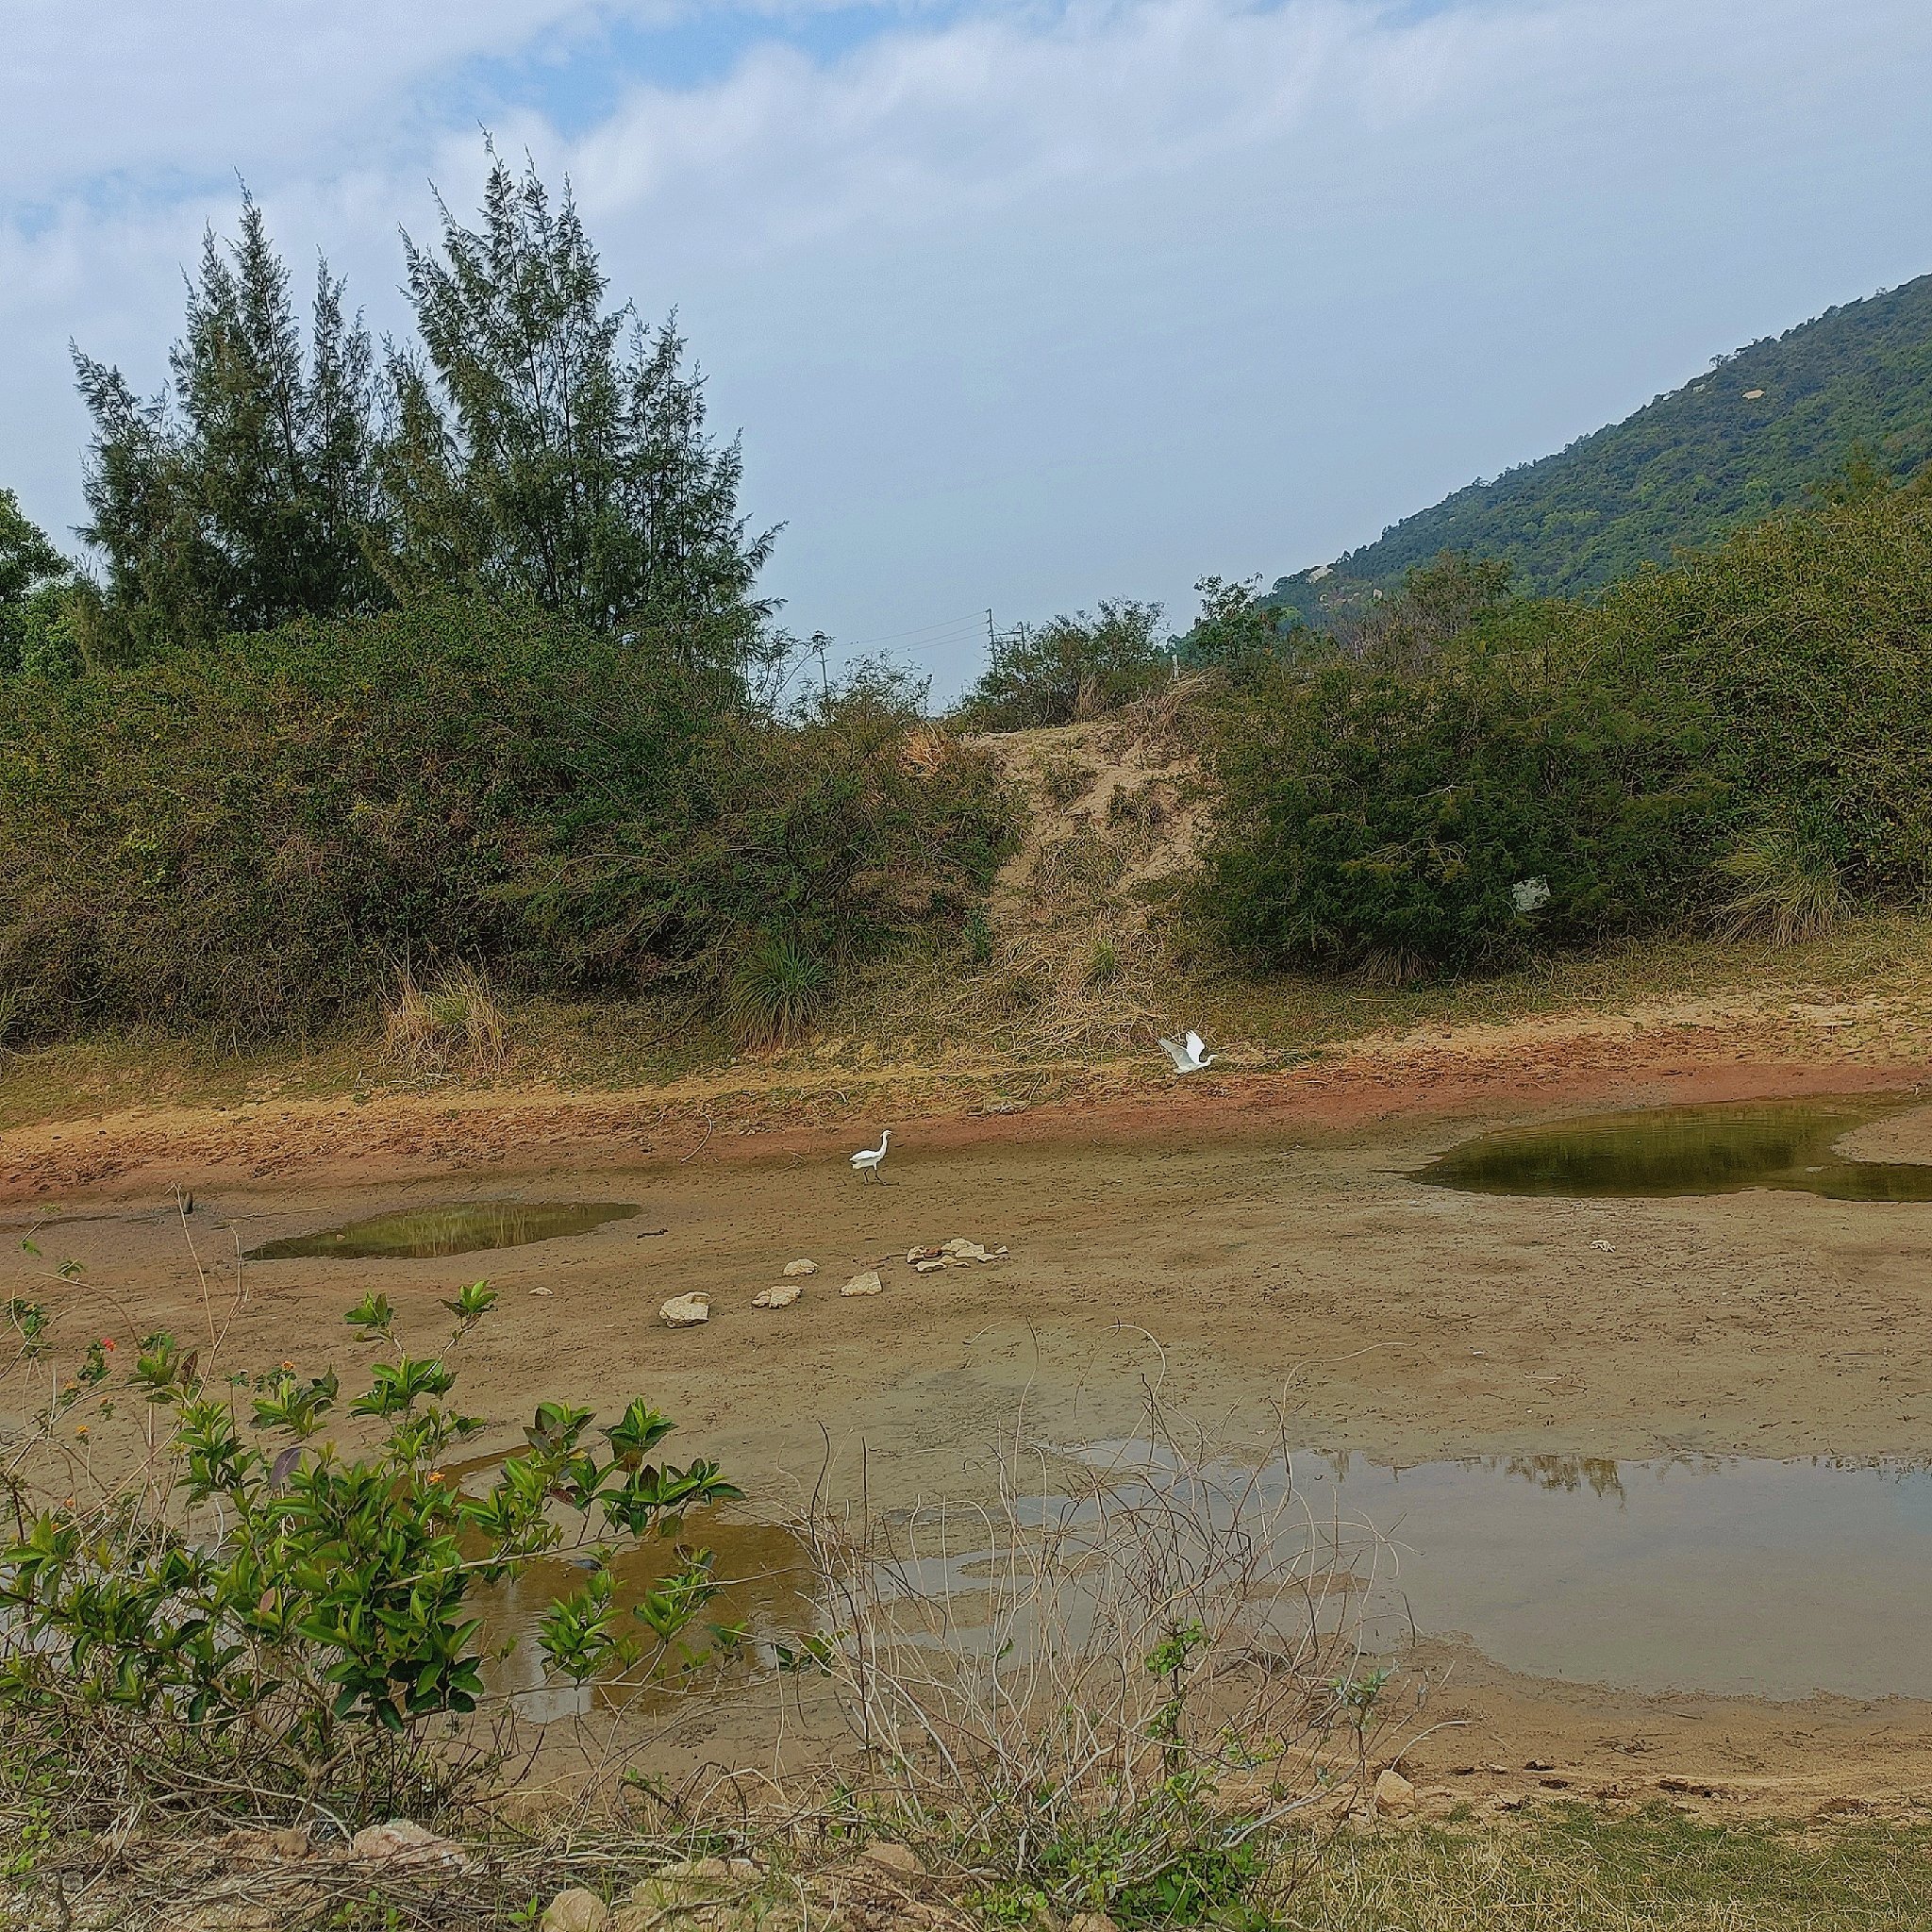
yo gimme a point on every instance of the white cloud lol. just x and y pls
(1030, 302)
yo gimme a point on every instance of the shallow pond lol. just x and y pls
(1735, 1576)
(450, 1228)
(1773, 1579)
(1784, 1144)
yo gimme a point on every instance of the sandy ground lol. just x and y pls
(1248, 1246)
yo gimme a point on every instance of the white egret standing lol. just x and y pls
(870, 1159)
(1187, 1058)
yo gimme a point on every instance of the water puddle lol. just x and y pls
(1737, 1576)
(1731, 1577)
(450, 1227)
(764, 1591)
(1783, 1145)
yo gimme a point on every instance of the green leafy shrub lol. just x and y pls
(1068, 668)
(1557, 775)
(250, 1615)
(1383, 818)
(254, 836)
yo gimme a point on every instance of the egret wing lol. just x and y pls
(1176, 1052)
(1195, 1045)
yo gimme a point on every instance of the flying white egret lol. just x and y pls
(870, 1159)
(1187, 1058)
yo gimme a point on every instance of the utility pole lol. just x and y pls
(991, 643)
(819, 642)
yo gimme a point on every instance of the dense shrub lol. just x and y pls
(256, 1615)
(260, 834)
(1068, 668)
(1635, 758)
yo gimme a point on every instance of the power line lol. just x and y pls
(945, 624)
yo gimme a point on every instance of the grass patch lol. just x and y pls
(1571, 1869)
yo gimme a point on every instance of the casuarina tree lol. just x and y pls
(544, 445)
(243, 496)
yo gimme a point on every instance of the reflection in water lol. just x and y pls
(1734, 1576)
(765, 1591)
(1784, 1144)
(454, 1228)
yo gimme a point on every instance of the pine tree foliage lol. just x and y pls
(243, 496)
(545, 445)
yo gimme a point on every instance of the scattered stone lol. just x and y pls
(1601, 1246)
(1395, 1795)
(545, 1293)
(686, 1310)
(1539, 1764)
(960, 1249)
(801, 1268)
(893, 1857)
(868, 1283)
(928, 1267)
(1092, 1922)
(575, 1910)
(1508, 1801)
(918, 1255)
(778, 1297)
(403, 1841)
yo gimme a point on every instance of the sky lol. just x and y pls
(1019, 304)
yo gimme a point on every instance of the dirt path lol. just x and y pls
(1242, 1245)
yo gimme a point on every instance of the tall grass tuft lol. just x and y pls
(1788, 889)
(776, 992)
(456, 1020)
(1116, 1698)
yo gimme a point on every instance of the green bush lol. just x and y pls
(1551, 774)
(254, 1617)
(1068, 668)
(257, 836)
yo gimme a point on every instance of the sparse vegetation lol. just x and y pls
(1068, 668)
(205, 1607)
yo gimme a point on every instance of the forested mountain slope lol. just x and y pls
(1731, 446)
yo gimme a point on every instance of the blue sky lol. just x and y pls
(1019, 303)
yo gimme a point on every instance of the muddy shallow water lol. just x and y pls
(1716, 1354)
(1790, 1145)
(1733, 1577)
(445, 1227)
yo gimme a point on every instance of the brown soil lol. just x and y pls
(1242, 1243)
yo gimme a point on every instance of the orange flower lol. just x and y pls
(106, 1341)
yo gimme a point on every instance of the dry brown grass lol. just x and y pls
(455, 1022)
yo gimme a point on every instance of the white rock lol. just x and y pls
(575, 1910)
(801, 1268)
(868, 1283)
(701, 1871)
(928, 1267)
(778, 1297)
(1395, 1795)
(918, 1255)
(403, 1841)
(686, 1310)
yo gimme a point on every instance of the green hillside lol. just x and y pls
(1729, 447)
